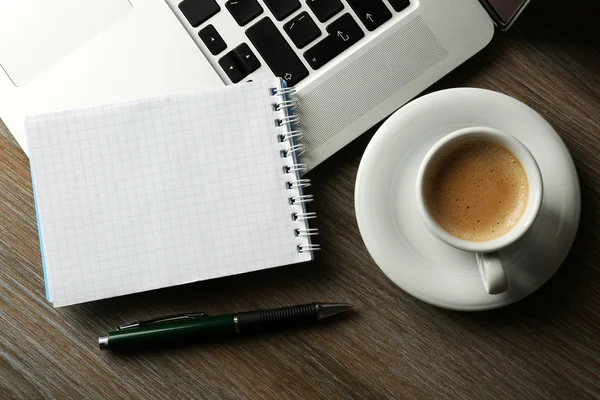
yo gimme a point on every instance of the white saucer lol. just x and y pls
(390, 224)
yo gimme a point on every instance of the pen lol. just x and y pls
(199, 326)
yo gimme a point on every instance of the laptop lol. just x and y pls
(353, 62)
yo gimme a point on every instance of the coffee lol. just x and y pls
(477, 191)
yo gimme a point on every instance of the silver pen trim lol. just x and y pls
(103, 342)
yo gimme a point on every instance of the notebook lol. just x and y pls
(165, 191)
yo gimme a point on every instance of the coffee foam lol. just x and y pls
(477, 191)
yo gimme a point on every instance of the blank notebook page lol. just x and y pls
(160, 192)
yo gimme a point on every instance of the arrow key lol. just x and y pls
(229, 64)
(246, 59)
(372, 13)
(212, 39)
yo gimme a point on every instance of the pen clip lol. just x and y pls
(159, 320)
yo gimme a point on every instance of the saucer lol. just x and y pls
(399, 242)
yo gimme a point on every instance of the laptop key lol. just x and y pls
(276, 51)
(343, 33)
(302, 29)
(399, 5)
(229, 64)
(372, 13)
(246, 59)
(212, 39)
(325, 9)
(243, 11)
(198, 11)
(281, 9)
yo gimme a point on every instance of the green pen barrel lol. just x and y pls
(167, 333)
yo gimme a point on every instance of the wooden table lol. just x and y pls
(393, 346)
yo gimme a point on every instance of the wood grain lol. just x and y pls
(393, 346)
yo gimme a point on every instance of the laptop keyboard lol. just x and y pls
(341, 34)
(274, 44)
(211, 38)
(302, 29)
(325, 9)
(282, 9)
(243, 11)
(276, 51)
(198, 11)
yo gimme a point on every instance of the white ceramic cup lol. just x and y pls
(491, 269)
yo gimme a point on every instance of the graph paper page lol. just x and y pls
(160, 192)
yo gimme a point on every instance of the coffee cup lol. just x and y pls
(480, 190)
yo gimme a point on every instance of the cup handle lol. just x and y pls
(492, 272)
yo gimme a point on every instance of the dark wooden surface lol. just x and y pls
(393, 346)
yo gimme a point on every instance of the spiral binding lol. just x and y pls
(304, 216)
(297, 149)
(298, 183)
(295, 168)
(287, 104)
(303, 198)
(304, 248)
(307, 232)
(289, 91)
(295, 135)
(286, 119)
